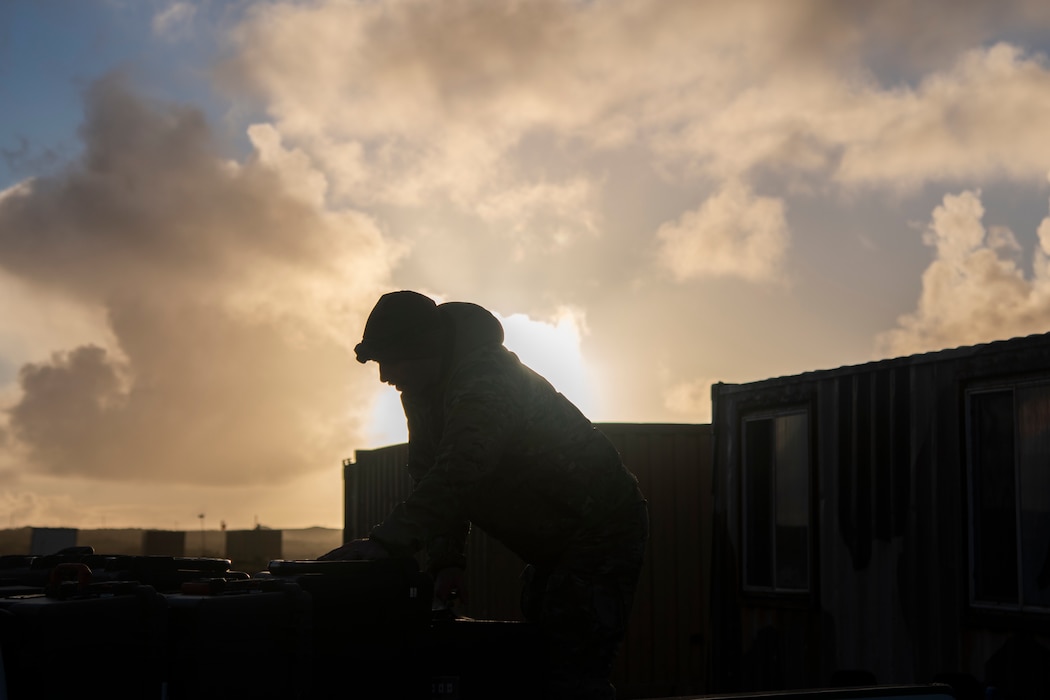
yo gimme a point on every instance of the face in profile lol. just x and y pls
(410, 375)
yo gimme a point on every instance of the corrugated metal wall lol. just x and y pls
(890, 525)
(373, 483)
(667, 645)
(668, 640)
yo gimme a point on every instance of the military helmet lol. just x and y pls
(403, 325)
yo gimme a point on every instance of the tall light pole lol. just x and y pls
(201, 516)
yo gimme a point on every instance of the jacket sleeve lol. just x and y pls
(480, 411)
(443, 549)
(421, 446)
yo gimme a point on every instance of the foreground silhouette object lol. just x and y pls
(492, 443)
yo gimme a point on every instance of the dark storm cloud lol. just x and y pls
(149, 205)
(230, 301)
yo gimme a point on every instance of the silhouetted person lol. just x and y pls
(492, 443)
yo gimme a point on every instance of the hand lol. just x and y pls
(450, 585)
(356, 550)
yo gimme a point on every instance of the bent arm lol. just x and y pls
(479, 416)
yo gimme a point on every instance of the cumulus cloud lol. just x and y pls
(407, 102)
(980, 119)
(230, 303)
(544, 207)
(975, 290)
(976, 118)
(438, 98)
(733, 234)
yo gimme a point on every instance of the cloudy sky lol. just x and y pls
(201, 200)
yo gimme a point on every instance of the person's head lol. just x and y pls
(404, 334)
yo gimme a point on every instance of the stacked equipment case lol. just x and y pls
(181, 628)
(77, 634)
(367, 620)
(232, 638)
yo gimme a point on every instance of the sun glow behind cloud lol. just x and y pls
(552, 348)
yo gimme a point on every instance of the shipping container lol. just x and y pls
(170, 543)
(668, 643)
(252, 550)
(49, 540)
(888, 521)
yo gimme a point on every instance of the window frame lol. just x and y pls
(1020, 608)
(772, 592)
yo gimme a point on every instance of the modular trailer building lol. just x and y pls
(889, 520)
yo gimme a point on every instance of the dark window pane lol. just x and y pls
(758, 506)
(1033, 466)
(792, 511)
(994, 497)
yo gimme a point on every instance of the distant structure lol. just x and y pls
(171, 543)
(252, 550)
(48, 540)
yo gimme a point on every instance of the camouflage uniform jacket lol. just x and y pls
(495, 445)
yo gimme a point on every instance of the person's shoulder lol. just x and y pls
(486, 367)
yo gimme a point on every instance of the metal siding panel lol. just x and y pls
(865, 607)
(843, 561)
(663, 652)
(948, 536)
(844, 462)
(923, 546)
(665, 560)
(829, 552)
(380, 481)
(862, 491)
(638, 659)
(882, 446)
(692, 501)
(902, 437)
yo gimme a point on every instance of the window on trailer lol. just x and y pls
(1009, 483)
(776, 478)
